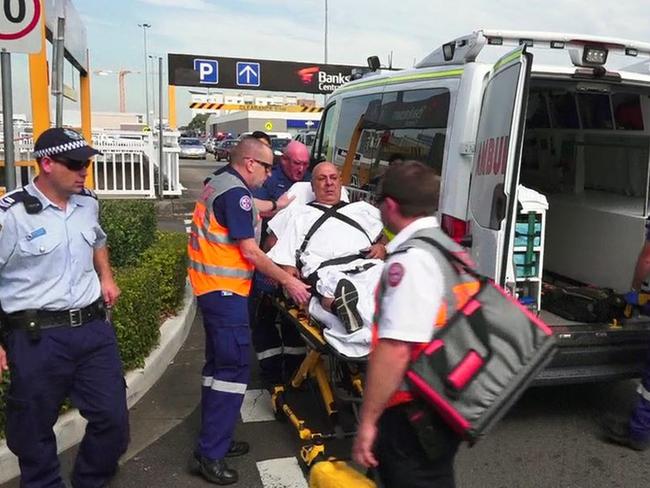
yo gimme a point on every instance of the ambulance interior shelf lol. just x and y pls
(527, 253)
(589, 154)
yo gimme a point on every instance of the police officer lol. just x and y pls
(55, 278)
(223, 254)
(283, 348)
(634, 432)
(410, 446)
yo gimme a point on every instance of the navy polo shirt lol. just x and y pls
(276, 185)
(234, 208)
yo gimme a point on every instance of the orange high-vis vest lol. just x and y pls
(215, 261)
(459, 289)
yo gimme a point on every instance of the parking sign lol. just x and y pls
(208, 70)
(248, 74)
(19, 26)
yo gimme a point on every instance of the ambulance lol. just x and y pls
(544, 155)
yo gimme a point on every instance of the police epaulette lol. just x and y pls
(85, 192)
(11, 199)
(32, 204)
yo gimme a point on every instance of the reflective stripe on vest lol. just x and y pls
(215, 260)
(458, 289)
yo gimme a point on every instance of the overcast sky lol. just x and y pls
(293, 31)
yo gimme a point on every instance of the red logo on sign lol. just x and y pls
(307, 74)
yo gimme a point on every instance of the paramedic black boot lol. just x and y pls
(238, 448)
(619, 433)
(216, 471)
(346, 298)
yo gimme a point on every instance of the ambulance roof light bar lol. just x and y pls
(584, 50)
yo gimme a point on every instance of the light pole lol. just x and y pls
(325, 31)
(152, 72)
(146, 76)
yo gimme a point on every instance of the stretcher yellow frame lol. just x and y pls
(314, 367)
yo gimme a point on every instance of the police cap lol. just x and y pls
(65, 143)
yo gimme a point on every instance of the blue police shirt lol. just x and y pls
(233, 209)
(46, 259)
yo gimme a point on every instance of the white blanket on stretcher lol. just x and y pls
(357, 344)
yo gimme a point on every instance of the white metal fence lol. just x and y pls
(127, 167)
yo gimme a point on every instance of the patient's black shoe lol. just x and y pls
(346, 299)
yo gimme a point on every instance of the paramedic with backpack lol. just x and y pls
(409, 446)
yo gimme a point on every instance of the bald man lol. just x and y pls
(223, 254)
(278, 351)
(333, 253)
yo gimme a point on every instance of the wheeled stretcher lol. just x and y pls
(338, 381)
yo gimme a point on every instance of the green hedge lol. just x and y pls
(130, 226)
(151, 291)
(152, 285)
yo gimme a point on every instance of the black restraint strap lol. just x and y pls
(313, 277)
(333, 212)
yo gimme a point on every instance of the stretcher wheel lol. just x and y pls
(311, 454)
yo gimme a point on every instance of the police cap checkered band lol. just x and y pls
(63, 142)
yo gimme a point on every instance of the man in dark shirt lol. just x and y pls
(276, 349)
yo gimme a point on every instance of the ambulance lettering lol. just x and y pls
(492, 156)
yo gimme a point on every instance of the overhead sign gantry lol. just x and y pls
(252, 74)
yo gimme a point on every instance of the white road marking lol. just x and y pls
(257, 406)
(281, 473)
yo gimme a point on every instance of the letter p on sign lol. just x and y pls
(208, 70)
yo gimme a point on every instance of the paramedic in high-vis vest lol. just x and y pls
(408, 444)
(223, 255)
(635, 431)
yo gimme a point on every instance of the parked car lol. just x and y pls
(210, 144)
(191, 148)
(306, 137)
(222, 151)
(278, 144)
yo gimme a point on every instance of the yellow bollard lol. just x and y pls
(337, 474)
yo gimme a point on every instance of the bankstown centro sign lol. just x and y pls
(256, 74)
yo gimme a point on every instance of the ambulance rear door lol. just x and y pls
(496, 165)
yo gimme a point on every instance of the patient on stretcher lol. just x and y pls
(338, 248)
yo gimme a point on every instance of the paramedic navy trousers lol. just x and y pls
(278, 345)
(403, 463)
(640, 419)
(81, 363)
(226, 370)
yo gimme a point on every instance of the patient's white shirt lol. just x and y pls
(333, 239)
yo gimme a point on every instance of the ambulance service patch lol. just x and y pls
(246, 203)
(395, 274)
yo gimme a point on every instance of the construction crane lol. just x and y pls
(121, 74)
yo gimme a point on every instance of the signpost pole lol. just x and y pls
(161, 175)
(8, 121)
(57, 86)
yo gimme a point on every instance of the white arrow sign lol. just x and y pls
(248, 71)
(248, 74)
(19, 26)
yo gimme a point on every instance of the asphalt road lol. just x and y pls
(550, 438)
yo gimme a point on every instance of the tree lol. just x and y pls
(198, 123)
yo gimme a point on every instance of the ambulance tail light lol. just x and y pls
(455, 228)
